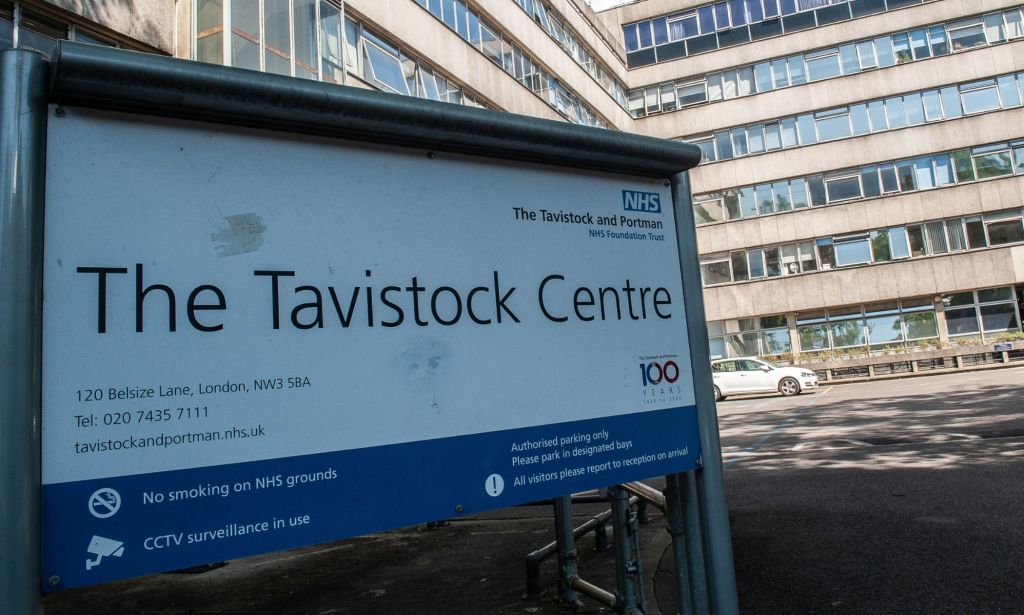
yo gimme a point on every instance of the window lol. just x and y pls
(823, 64)
(692, 93)
(716, 271)
(1004, 227)
(992, 161)
(842, 187)
(979, 96)
(852, 250)
(966, 34)
(833, 124)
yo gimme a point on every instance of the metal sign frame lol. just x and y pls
(97, 77)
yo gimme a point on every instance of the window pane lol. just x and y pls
(306, 63)
(776, 341)
(962, 321)
(993, 165)
(885, 329)
(780, 74)
(755, 138)
(905, 173)
(739, 266)
(976, 233)
(826, 253)
(745, 78)
(816, 187)
(889, 181)
(955, 233)
(277, 44)
(883, 50)
(832, 126)
(876, 114)
(880, 246)
(806, 256)
(799, 192)
(919, 44)
(943, 169)
(994, 28)
(989, 295)
(859, 117)
(723, 145)
(936, 237)
(1008, 92)
(210, 29)
(772, 136)
(732, 205)
(964, 166)
(914, 109)
(848, 58)
(999, 317)
(797, 70)
(847, 333)
(843, 188)
(951, 105)
(964, 35)
(691, 94)
(782, 198)
(790, 265)
(901, 47)
(920, 325)
(898, 243)
(852, 252)
(1009, 231)
(869, 182)
(866, 54)
(915, 234)
(894, 112)
(707, 212)
(763, 76)
(805, 126)
(823, 67)
(765, 201)
(772, 262)
(1014, 25)
(714, 86)
(923, 174)
(938, 40)
(813, 337)
(979, 99)
(932, 105)
(715, 273)
(756, 259)
(748, 202)
(739, 141)
(789, 138)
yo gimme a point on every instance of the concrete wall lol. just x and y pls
(150, 22)
(913, 278)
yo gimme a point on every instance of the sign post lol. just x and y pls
(265, 293)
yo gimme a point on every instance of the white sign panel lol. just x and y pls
(254, 341)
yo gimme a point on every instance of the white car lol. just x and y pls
(752, 375)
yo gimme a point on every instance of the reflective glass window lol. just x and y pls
(966, 34)
(859, 118)
(765, 200)
(899, 244)
(951, 106)
(755, 138)
(843, 188)
(979, 96)
(975, 232)
(869, 182)
(876, 115)
(883, 51)
(834, 124)
(798, 188)
(866, 54)
(894, 112)
(932, 105)
(994, 28)
(797, 70)
(919, 44)
(849, 59)
(780, 74)
(1009, 95)
(901, 47)
(715, 272)
(805, 127)
(822, 65)
(789, 137)
(887, 173)
(739, 142)
(924, 176)
(763, 76)
(962, 321)
(938, 40)
(772, 136)
(914, 109)
(993, 164)
(783, 201)
(943, 170)
(999, 317)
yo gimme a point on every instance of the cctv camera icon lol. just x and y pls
(103, 547)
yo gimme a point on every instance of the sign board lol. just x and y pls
(255, 341)
(1002, 346)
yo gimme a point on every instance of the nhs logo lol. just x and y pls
(649, 202)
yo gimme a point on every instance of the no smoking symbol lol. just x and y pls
(104, 503)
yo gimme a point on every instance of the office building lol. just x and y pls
(863, 176)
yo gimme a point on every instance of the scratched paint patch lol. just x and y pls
(243, 233)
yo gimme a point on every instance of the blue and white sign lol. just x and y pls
(256, 341)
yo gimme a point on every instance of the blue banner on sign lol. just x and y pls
(107, 529)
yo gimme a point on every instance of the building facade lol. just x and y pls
(863, 175)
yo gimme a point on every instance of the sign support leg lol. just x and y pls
(23, 86)
(714, 508)
(565, 537)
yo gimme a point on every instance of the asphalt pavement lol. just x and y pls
(903, 496)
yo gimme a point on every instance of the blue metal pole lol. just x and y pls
(714, 508)
(23, 83)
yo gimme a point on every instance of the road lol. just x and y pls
(900, 496)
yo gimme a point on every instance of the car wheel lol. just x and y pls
(789, 386)
(718, 394)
